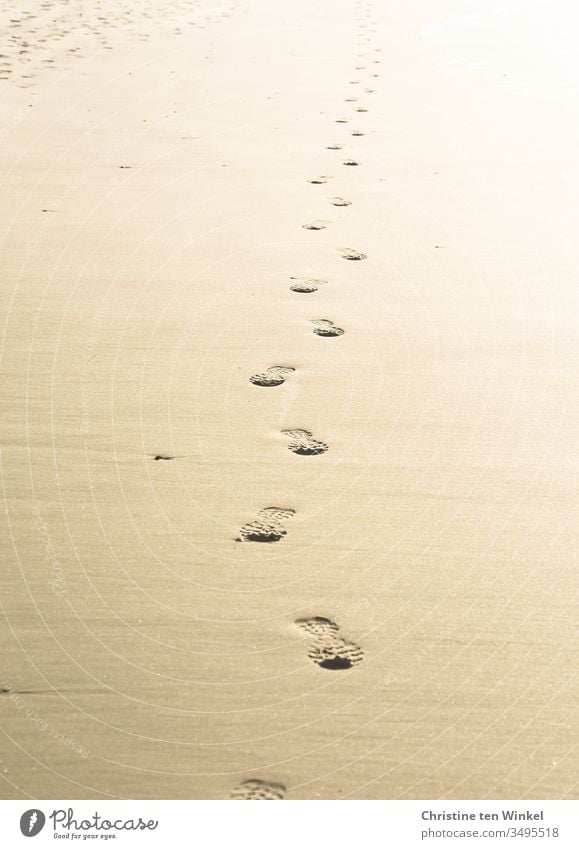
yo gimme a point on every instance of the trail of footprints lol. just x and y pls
(270, 526)
(58, 21)
(58, 32)
(328, 649)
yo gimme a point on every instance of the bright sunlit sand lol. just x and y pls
(289, 399)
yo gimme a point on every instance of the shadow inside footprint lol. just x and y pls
(273, 376)
(336, 662)
(306, 286)
(302, 442)
(255, 789)
(268, 527)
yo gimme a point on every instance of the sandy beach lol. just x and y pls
(289, 400)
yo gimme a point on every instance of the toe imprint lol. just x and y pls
(324, 327)
(269, 525)
(255, 789)
(302, 442)
(273, 376)
(349, 253)
(319, 626)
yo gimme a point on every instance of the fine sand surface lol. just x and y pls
(400, 625)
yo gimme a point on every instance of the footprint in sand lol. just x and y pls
(255, 789)
(351, 254)
(317, 626)
(319, 181)
(273, 376)
(323, 327)
(268, 527)
(358, 133)
(360, 109)
(302, 442)
(350, 162)
(340, 202)
(329, 650)
(316, 225)
(306, 286)
(341, 121)
(334, 146)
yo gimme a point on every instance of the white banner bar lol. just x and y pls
(291, 825)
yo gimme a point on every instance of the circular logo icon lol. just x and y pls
(32, 822)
